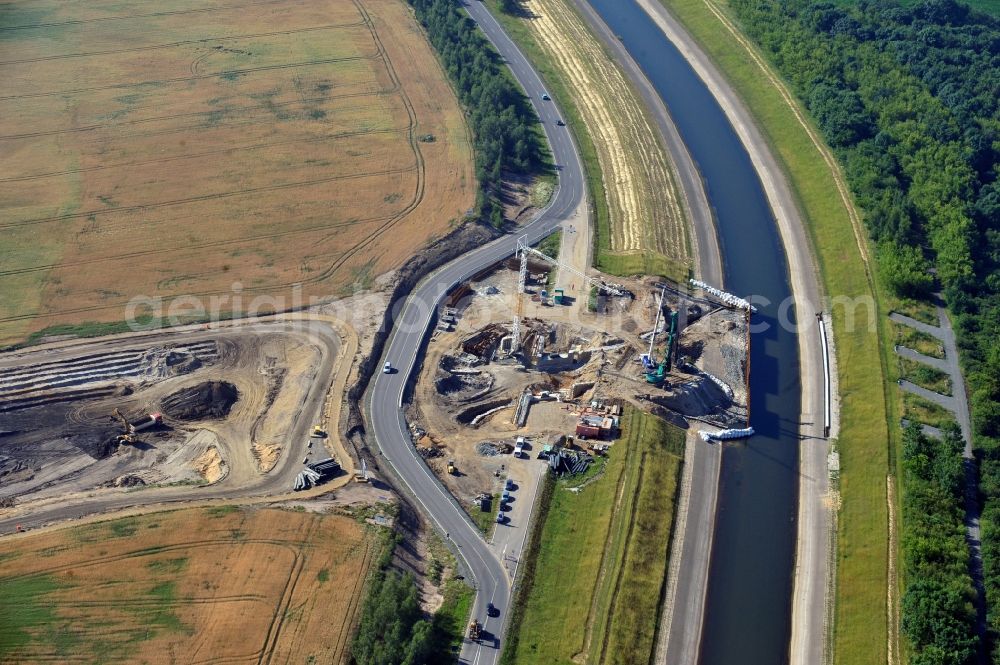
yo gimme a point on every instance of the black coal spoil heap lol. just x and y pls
(211, 399)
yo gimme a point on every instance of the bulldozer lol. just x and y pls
(451, 467)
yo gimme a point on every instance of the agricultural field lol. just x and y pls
(646, 230)
(264, 143)
(593, 587)
(219, 584)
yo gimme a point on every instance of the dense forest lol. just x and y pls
(938, 605)
(503, 122)
(909, 99)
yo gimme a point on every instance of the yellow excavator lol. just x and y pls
(129, 435)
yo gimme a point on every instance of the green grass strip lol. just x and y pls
(596, 569)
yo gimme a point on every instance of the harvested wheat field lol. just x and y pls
(643, 198)
(162, 150)
(204, 585)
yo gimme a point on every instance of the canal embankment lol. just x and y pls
(739, 514)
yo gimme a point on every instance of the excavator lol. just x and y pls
(129, 435)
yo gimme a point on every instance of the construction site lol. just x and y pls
(195, 408)
(515, 368)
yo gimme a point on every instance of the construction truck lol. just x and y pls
(318, 431)
(475, 630)
(451, 467)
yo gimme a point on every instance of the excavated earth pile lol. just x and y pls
(208, 400)
(464, 387)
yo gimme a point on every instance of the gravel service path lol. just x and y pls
(958, 405)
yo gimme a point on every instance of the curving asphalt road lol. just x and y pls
(385, 397)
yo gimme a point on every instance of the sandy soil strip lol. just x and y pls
(643, 199)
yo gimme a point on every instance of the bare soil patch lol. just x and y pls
(212, 388)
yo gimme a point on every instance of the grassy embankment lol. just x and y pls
(923, 411)
(923, 375)
(594, 575)
(486, 521)
(550, 246)
(642, 203)
(860, 615)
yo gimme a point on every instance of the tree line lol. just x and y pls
(908, 97)
(503, 123)
(393, 629)
(938, 602)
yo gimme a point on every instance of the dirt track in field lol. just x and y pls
(190, 586)
(642, 195)
(182, 151)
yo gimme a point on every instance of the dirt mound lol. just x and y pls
(464, 387)
(181, 362)
(210, 465)
(266, 454)
(211, 399)
(128, 480)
